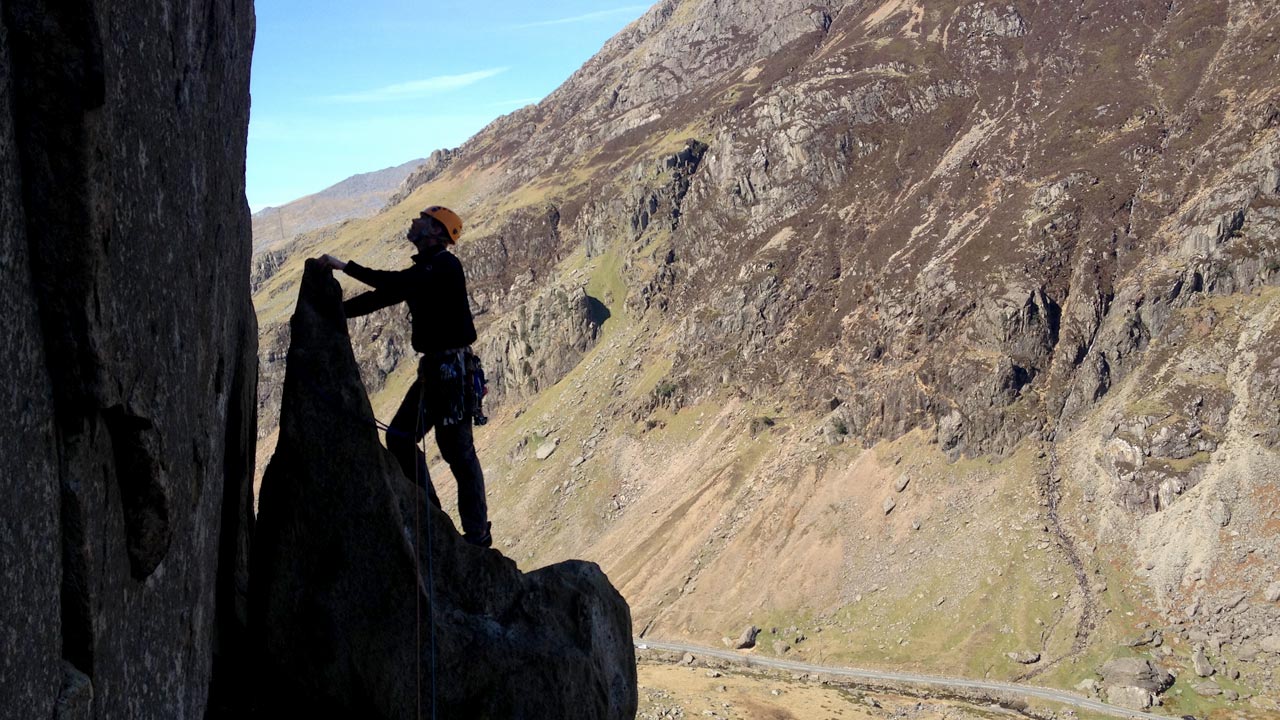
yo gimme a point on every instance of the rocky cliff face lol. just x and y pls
(868, 185)
(366, 602)
(880, 182)
(129, 344)
(1042, 236)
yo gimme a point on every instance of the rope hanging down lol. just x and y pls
(431, 600)
(420, 442)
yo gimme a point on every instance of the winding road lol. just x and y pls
(933, 681)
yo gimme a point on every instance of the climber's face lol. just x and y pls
(417, 229)
(424, 232)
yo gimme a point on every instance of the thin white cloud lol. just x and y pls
(599, 14)
(418, 88)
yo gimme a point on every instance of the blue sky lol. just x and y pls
(341, 88)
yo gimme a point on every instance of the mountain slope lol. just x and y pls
(357, 196)
(1023, 253)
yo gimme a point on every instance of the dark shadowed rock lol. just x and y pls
(30, 539)
(128, 353)
(344, 617)
(747, 639)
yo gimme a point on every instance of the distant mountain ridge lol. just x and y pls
(358, 196)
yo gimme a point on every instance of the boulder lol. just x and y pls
(1200, 663)
(1136, 672)
(1151, 637)
(1089, 687)
(1233, 602)
(888, 505)
(1272, 593)
(747, 639)
(1024, 657)
(545, 450)
(1270, 644)
(1134, 698)
(365, 600)
(1220, 512)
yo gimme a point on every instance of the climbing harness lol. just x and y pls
(477, 388)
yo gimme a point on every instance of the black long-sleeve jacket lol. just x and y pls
(436, 290)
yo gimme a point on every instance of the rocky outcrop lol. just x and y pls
(506, 264)
(1134, 682)
(265, 265)
(129, 345)
(366, 601)
(424, 172)
(541, 341)
(381, 341)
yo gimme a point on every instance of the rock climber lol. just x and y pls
(435, 289)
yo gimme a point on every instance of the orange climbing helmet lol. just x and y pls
(446, 217)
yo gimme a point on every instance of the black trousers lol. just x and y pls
(419, 412)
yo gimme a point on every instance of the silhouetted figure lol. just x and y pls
(443, 396)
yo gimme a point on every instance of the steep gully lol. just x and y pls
(1052, 489)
